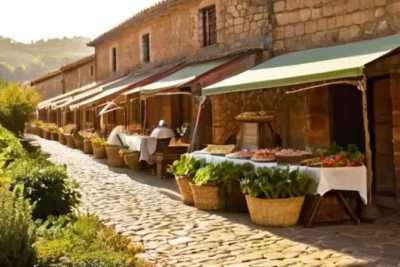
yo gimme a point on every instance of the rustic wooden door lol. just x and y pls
(384, 171)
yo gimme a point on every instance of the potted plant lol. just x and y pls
(113, 157)
(87, 141)
(46, 133)
(231, 175)
(184, 170)
(37, 128)
(53, 130)
(275, 196)
(99, 147)
(131, 158)
(78, 140)
(206, 188)
(61, 137)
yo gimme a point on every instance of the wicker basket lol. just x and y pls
(37, 131)
(99, 152)
(70, 140)
(235, 200)
(275, 212)
(207, 197)
(54, 136)
(61, 139)
(78, 143)
(46, 135)
(87, 146)
(114, 159)
(186, 191)
(132, 160)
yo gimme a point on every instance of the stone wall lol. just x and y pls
(302, 118)
(303, 24)
(50, 87)
(177, 35)
(79, 76)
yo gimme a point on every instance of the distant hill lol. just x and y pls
(21, 61)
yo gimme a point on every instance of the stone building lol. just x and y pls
(49, 85)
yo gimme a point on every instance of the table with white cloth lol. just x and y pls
(144, 144)
(334, 180)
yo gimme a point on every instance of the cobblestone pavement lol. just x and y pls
(179, 235)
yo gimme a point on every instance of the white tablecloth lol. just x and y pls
(146, 145)
(346, 178)
(162, 133)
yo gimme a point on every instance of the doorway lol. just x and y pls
(381, 129)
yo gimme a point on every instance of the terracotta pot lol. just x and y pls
(207, 197)
(113, 157)
(78, 144)
(70, 141)
(99, 152)
(46, 135)
(275, 212)
(87, 146)
(132, 160)
(61, 139)
(54, 136)
(37, 131)
(235, 200)
(184, 188)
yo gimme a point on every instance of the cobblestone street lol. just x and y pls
(145, 209)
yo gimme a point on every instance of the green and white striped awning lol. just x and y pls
(320, 64)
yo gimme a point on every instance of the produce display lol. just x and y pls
(350, 158)
(243, 154)
(264, 155)
(292, 153)
(219, 149)
(255, 116)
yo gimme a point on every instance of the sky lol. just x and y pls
(32, 20)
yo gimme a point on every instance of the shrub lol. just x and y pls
(16, 230)
(85, 243)
(10, 147)
(46, 184)
(16, 105)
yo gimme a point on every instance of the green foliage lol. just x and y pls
(186, 166)
(232, 174)
(77, 136)
(16, 105)
(37, 123)
(99, 141)
(46, 184)
(16, 230)
(276, 183)
(10, 147)
(85, 243)
(208, 175)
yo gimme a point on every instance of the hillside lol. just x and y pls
(21, 61)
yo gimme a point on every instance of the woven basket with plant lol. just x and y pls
(99, 147)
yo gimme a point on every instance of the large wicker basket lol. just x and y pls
(37, 131)
(70, 140)
(61, 139)
(78, 143)
(132, 160)
(113, 157)
(87, 146)
(207, 197)
(99, 152)
(54, 136)
(46, 135)
(275, 212)
(186, 191)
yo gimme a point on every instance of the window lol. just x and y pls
(146, 48)
(88, 116)
(112, 117)
(91, 70)
(114, 59)
(209, 26)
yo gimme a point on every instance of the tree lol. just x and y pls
(16, 105)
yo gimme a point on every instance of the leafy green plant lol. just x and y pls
(37, 123)
(10, 147)
(208, 175)
(46, 184)
(17, 232)
(276, 183)
(51, 127)
(77, 136)
(85, 242)
(98, 141)
(187, 166)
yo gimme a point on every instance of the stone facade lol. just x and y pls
(177, 34)
(303, 24)
(49, 86)
(80, 76)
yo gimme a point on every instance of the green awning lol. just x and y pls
(182, 76)
(327, 63)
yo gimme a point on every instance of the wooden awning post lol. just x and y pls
(370, 211)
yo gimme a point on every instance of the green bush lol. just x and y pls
(10, 147)
(16, 230)
(16, 105)
(46, 184)
(85, 243)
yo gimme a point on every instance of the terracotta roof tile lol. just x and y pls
(78, 63)
(46, 76)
